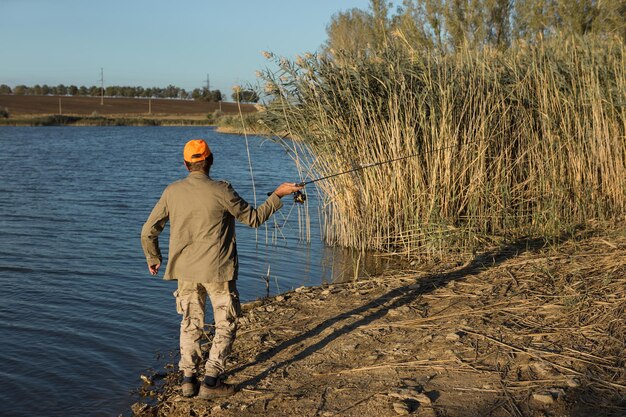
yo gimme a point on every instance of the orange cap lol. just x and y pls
(196, 150)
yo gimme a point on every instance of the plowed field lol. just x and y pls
(73, 105)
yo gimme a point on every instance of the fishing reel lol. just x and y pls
(299, 197)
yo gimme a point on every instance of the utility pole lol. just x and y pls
(101, 86)
(208, 83)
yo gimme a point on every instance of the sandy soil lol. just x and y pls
(525, 330)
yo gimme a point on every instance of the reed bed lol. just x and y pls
(525, 142)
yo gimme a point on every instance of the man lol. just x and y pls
(203, 258)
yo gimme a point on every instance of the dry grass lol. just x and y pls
(528, 142)
(564, 309)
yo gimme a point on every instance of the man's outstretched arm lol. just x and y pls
(255, 217)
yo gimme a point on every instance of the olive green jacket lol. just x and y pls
(202, 215)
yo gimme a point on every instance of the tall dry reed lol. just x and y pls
(526, 142)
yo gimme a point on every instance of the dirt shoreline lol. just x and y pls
(525, 330)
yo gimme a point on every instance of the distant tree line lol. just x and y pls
(244, 95)
(447, 25)
(113, 91)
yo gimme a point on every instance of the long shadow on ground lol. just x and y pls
(377, 308)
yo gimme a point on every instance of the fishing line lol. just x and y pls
(245, 135)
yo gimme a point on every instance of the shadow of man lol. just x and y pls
(379, 307)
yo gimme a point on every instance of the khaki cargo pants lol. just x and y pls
(190, 303)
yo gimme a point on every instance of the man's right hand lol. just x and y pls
(287, 188)
(154, 269)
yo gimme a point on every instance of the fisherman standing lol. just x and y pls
(203, 258)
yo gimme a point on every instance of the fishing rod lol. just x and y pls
(299, 197)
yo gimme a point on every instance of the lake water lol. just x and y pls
(80, 317)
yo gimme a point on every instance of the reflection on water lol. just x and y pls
(343, 265)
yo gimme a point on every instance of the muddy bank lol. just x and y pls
(525, 330)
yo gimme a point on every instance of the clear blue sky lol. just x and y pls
(156, 42)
